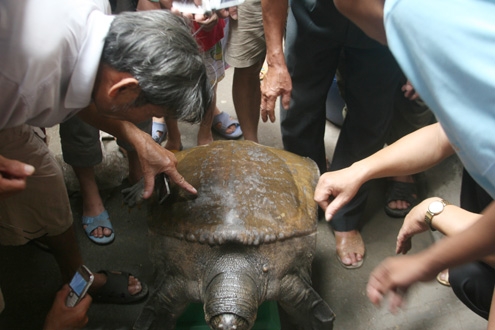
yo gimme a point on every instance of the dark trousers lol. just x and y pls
(317, 37)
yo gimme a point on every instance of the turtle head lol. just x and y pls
(232, 294)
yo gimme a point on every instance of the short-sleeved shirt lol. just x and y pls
(49, 55)
(447, 49)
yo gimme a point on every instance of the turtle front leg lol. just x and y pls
(164, 306)
(304, 305)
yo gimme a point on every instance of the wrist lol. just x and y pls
(361, 172)
(435, 207)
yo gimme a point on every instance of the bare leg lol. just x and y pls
(204, 133)
(246, 94)
(92, 203)
(173, 139)
(66, 252)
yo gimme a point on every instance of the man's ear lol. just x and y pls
(126, 89)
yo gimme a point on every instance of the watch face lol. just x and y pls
(435, 207)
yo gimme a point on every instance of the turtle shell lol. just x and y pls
(247, 193)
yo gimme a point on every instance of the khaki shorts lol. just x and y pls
(43, 207)
(246, 44)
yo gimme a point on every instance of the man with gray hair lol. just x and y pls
(59, 58)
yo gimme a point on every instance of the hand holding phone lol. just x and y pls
(61, 317)
(79, 285)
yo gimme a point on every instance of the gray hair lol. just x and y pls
(158, 49)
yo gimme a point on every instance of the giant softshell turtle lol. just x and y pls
(248, 236)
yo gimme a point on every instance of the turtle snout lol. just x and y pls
(228, 322)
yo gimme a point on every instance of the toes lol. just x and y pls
(231, 129)
(100, 232)
(134, 286)
(398, 205)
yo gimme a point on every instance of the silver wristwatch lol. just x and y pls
(435, 208)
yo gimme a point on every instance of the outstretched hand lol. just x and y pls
(334, 190)
(393, 277)
(13, 176)
(414, 223)
(155, 159)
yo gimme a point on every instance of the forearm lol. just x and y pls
(122, 130)
(274, 20)
(454, 220)
(474, 243)
(367, 14)
(413, 153)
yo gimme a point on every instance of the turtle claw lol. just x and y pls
(134, 194)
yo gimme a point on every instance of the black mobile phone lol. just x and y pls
(79, 285)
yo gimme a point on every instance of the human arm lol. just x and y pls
(61, 317)
(277, 81)
(367, 15)
(491, 315)
(395, 275)
(451, 221)
(411, 154)
(13, 176)
(153, 158)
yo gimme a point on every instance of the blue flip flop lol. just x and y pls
(159, 132)
(226, 122)
(101, 220)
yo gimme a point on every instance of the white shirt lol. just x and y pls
(447, 49)
(49, 56)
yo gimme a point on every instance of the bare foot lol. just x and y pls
(134, 285)
(100, 232)
(402, 204)
(350, 248)
(229, 130)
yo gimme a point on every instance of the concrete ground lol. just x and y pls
(29, 276)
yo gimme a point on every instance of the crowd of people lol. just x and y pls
(115, 73)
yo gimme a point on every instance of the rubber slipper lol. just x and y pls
(159, 132)
(225, 121)
(443, 277)
(101, 220)
(401, 191)
(115, 290)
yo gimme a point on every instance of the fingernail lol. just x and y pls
(28, 169)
